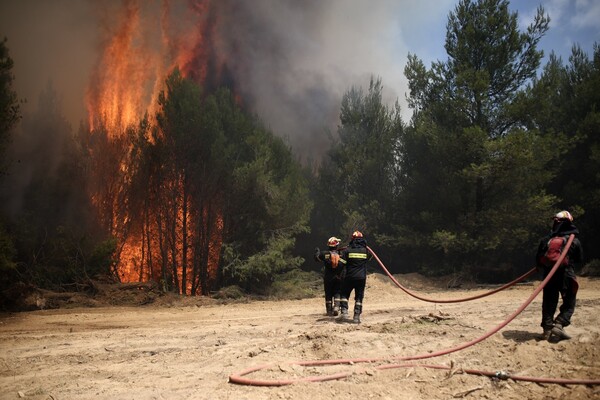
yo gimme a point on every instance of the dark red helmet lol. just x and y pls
(357, 234)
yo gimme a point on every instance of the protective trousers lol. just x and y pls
(563, 283)
(332, 295)
(358, 285)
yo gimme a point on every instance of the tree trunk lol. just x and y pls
(184, 245)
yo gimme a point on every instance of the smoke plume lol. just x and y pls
(289, 61)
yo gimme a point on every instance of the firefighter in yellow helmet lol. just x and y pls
(564, 282)
(332, 275)
(354, 258)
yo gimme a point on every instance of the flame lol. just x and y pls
(125, 85)
(115, 97)
(216, 241)
(131, 71)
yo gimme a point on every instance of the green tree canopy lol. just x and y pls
(489, 62)
(472, 178)
(355, 188)
(208, 177)
(566, 101)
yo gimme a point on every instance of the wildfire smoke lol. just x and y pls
(286, 61)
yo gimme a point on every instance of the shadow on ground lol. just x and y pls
(522, 336)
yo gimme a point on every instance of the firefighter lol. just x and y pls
(564, 281)
(332, 275)
(354, 258)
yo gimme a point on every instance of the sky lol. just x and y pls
(322, 49)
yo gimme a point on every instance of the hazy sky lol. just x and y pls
(344, 43)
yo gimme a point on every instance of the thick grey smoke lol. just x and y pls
(36, 152)
(294, 60)
(291, 60)
(50, 41)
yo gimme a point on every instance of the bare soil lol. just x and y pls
(187, 348)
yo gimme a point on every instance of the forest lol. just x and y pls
(199, 194)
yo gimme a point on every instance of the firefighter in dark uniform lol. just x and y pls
(332, 275)
(354, 258)
(563, 282)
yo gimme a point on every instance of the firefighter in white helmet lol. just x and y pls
(332, 275)
(564, 281)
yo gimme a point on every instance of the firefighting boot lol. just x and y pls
(343, 315)
(336, 306)
(547, 333)
(329, 309)
(343, 309)
(559, 332)
(357, 312)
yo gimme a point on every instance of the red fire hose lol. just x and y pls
(240, 378)
(479, 296)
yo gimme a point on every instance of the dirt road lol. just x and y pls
(188, 351)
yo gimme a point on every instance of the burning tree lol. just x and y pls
(196, 171)
(204, 174)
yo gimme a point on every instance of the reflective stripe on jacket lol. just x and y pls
(355, 259)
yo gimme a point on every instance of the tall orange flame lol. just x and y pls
(124, 86)
(114, 98)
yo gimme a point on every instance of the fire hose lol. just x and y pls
(479, 296)
(240, 378)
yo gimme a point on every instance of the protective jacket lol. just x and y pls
(575, 253)
(355, 259)
(332, 269)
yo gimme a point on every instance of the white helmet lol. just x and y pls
(333, 241)
(563, 216)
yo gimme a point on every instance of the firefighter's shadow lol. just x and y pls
(335, 320)
(325, 319)
(522, 336)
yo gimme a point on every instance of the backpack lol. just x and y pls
(335, 259)
(554, 249)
